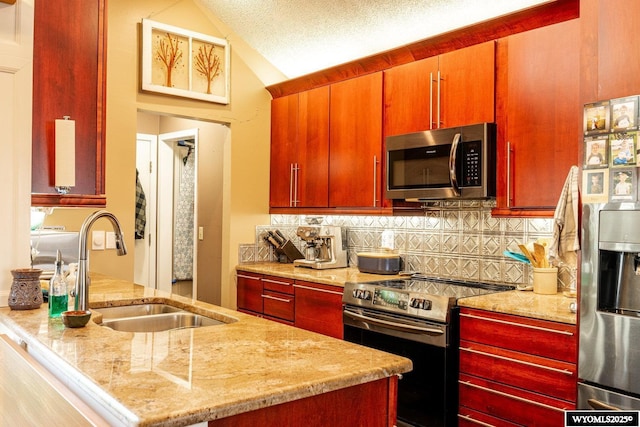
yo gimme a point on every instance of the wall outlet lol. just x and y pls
(200, 233)
(387, 239)
(111, 240)
(97, 240)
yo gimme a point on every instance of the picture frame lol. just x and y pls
(622, 147)
(596, 118)
(623, 185)
(596, 152)
(624, 114)
(595, 185)
(184, 63)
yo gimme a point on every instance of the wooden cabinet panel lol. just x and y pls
(278, 305)
(466, 94)
(546, 376)
(319, 308)
(539, 117)
(299, 174)
(278, 284)
(249, 296)
(510, 403)
(516, 369)
(69, 71)
(538, 337)
(356, 142)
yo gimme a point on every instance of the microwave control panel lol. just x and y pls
(471, 164)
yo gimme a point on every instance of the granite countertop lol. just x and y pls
(525, 303)
(520, 303)
(333, 276)
(187, 376)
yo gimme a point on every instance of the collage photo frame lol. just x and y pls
(611, 149)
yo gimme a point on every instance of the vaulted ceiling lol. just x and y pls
(299, 37)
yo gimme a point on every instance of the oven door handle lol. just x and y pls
(394, 325)
(597, 405)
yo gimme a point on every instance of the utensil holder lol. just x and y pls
(545, 280)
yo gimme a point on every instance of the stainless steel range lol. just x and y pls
(418, 319)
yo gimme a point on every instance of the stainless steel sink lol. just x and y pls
(160, 322)
(136, 310)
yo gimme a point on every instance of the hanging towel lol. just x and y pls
(565, 241)
(141, 208)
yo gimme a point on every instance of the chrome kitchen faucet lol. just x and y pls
(82, 281)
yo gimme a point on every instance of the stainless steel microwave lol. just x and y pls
(451, 163)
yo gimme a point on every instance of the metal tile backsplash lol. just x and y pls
(456, 240)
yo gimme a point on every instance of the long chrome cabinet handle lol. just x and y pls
(295, 185)
(277, 282)
(248, 277)
(471, 420)
(522, 362)
(275, 298)
(375, 181)
(439, 122)
(291, 172)
(511, 396)
(539, 328)
(431, 100)
(326, 291)
(509, 174)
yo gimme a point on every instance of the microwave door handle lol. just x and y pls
(452, 164)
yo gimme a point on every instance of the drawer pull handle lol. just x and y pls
(326, 291)
(277, 282)
(522, 362)
(276, 298)
(471, 420)
(522, 325)
(511, 396)
(248, 277)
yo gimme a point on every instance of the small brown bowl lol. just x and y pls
(75, 319)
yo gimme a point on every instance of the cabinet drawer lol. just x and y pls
(511, 404)
(249, 292)
(543, 338)
(470, 418)
(278, 305)
(319, 308)
(550, 377)
(278, 284)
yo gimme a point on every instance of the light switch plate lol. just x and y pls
(200, 233)
(111, 240)
(97, 240)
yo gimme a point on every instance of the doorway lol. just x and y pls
(187, 258)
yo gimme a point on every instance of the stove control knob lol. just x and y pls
(422, 304)
(366, 295)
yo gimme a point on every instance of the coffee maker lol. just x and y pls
(325, 247)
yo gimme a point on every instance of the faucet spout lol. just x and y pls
(82, 278)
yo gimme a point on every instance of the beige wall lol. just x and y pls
(246, 182)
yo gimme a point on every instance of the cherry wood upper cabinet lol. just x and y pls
(538, 116)
(356, 142)
(69, 73)
(452, 89)
(300, 150)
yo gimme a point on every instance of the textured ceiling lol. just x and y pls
(302, 36)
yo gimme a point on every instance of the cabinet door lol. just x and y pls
(407, 97)
(249, 296)
(319, 308)
(356, 142)
(284, 134)
(538, 116)
(69, 80)
(467, 94)
(618, 56)
(313, 148)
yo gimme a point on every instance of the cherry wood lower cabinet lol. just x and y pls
(319, 308)
(371, 404)
(311, 306)
(515, 370)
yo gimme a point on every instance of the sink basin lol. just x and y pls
(136, 310)
(160, 322)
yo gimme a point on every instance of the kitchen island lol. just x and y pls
(209, 374)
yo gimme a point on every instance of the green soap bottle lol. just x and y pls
(58, 296)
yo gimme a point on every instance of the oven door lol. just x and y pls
(427, 395)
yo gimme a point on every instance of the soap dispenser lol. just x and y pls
(58, 297)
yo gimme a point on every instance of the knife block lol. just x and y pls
(290, 251)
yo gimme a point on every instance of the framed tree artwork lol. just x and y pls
(184, 63)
